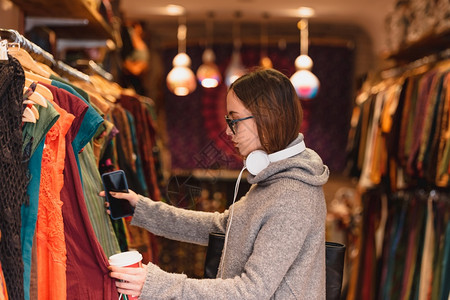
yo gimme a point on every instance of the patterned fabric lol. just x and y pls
(401, 136)
(35, 132)
(90, 175)
(138, 162)
(84, 253)
(13, 175)
(50, 241)
(143, 123)
(92, 184)
(137, 238)
(146, 133)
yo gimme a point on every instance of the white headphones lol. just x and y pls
(258, 160)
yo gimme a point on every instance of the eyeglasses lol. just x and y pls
(232, 123)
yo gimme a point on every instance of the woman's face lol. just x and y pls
(246, 137)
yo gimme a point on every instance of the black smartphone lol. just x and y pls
(116, 181)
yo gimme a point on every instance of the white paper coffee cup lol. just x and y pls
(126, 259)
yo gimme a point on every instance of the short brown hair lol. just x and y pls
(272, 99)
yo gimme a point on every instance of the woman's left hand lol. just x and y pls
(129, 280)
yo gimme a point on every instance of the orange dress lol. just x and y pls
(50, 241)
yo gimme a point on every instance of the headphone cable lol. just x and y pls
(236, 189)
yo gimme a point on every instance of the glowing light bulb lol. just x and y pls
(208, 73)
(235, 69)
(303, 62)
(181, 80)
(306, 84)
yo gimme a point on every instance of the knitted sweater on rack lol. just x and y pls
(13, 174)
(276, 244)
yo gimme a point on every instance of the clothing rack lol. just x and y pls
(95, 68)
(35, 51)
(426, 60)
(71, 72)
(41, 55)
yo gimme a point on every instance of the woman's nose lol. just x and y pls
(228, 131)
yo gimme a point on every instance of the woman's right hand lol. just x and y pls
(131, 196)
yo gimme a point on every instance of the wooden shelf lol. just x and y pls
(97, 27)
(427, 45)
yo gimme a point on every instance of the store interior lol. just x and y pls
(375, 99)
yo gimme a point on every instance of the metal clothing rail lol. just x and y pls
(100, 71)
(34, 50)
(41, 55)
(425, 60)
(93, 67)
(71, 72)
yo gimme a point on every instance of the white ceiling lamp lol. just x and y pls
(235, 68)
(181, 80)
(208, 73)
(305, 82)
(265, 62)
(175, 10)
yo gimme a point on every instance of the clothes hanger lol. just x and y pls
(30, 98)
(47, 68)
(43, 90)
(36, 97)
(3, 50)
(108, 89)
(27, 101)
(92, 88)
(27, 61)
(35, 111)
(28, 116)
(35, 77)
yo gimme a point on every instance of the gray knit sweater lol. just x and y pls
(276, 244)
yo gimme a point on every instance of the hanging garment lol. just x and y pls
(90, 122)
(372, 201)
(87, 266)
(442, 172)
(415, 218)
(444, 290)
(442, 218)
(137, 238)
(427, 160)
(100, 220)
(92, 184)
(100, 142)
(372, 132)
(426, 270)
(420, 245)
(50, 241)
(138, 161)
(13, 174)
(34, 133)
(109, 162)
(146, 133)
(423, 92)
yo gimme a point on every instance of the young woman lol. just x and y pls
(275, 234)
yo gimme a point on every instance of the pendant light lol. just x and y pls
(235, 68)
(181, 80)
(265, 62)
(305, 82)
(208, 73)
